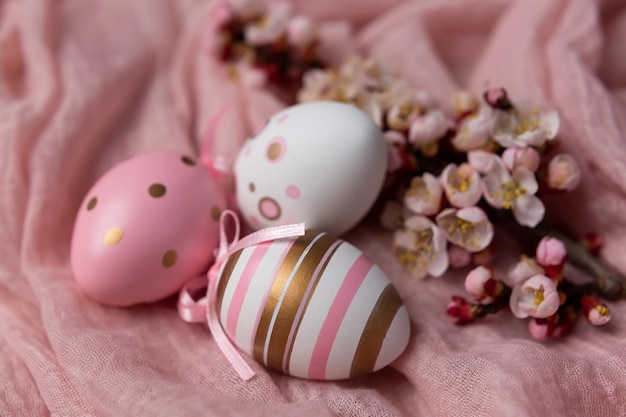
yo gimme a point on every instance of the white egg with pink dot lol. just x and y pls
(322, 163)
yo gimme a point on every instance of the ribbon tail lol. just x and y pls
(190, 309)
(235, 358)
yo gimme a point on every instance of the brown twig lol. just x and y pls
(609, 283)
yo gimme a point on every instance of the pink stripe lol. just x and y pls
(267, 292)
(305, 297)
(351, 284)
(242, 287)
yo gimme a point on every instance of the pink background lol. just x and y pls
(84, 85)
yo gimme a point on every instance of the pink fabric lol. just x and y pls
(85, 84)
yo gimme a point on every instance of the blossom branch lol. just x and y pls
(610, 283)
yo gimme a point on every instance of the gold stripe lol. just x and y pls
(284, 271)
(225, 276)
(376, 329)
(292, 300)
(306, 305)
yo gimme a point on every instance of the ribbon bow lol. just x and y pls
(205, 309)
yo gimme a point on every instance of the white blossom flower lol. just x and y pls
(270, 27)
(475, 129)
(537, 297)
(396, 92)
(421, 247)
(461, 184)
(424, 195)
(428, 127)
(514, 192)
(370, 106)
(401, 115)
(366, 74)
(525, 125)
(468, 228)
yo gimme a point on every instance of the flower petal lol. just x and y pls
(526, 180)
(515, 304)
(472, 214)
(428, 127)
(529, 210)
(493, 182)
(424, 195)
(482, 161)
(418, 223)
(550, 122)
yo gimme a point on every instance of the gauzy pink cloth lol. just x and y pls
(84, 85)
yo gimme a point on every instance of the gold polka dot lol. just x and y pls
(274, 151)
(113, 236)
(251, 187)
(187, 160)
(169, 258)
(92, 203)
(215, 213)
(157, 190)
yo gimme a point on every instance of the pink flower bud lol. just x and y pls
(551, 252)
(596, 312)
(537, 297)
(459, 257)
(462, 311)
(475, 283)
(540, 329)
(300, 31)
(521, 157)
(563, 173)
(498, 98)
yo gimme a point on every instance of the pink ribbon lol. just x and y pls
(205, 309)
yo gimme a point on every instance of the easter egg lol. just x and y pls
(321, 163)
(147, 226)
(313, 307)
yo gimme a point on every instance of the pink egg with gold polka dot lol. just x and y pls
(322, 163)
(146, 227)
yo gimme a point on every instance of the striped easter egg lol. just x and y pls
(312, 307)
